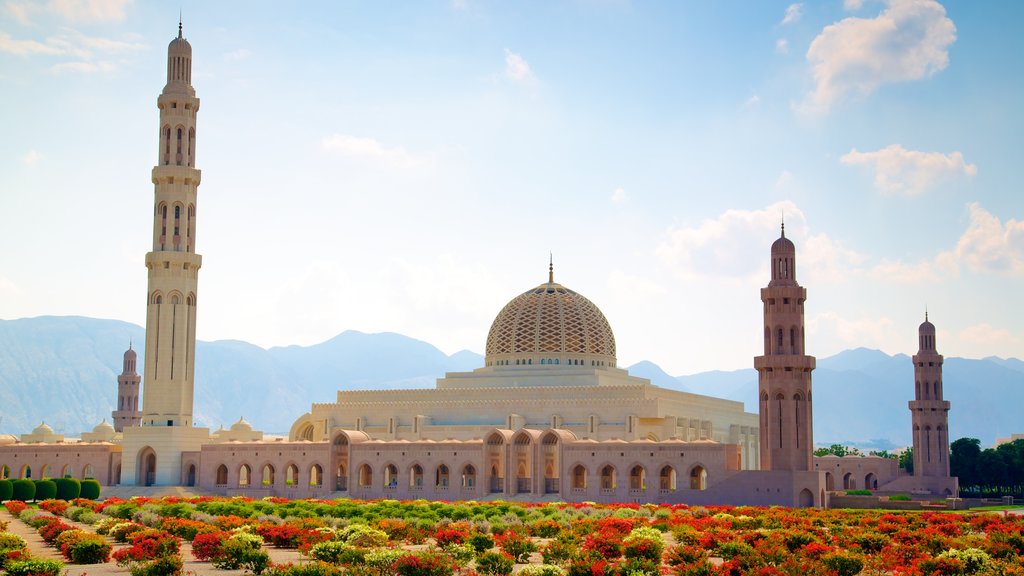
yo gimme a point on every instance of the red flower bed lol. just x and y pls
(446, 536)
(148, 544)
(15, 507)
(206, 546)
(55, 507)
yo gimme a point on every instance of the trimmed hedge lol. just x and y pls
(6, 490)
(23, 489)
(68, 488)
(45, 489)
(90, 489)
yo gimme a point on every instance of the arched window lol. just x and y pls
(441, 476)
(179, 146)
(222, 475)
(5, 472)
(667, 479)
(778, 341)
(579, 477)
(637, 478)
(191, 146)
(608, 478)
(267, 475)
(390, 476)
(468, 476)
(291, 475)
(365, 476)
(316, 475)
(935, 389)
(167, 145)
(87, 471)
(698, 478)
(243, 475)
(416, 476)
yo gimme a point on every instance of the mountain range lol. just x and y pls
(64, 370)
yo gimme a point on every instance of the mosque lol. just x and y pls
(550, 415)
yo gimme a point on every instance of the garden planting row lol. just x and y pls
(419, 538)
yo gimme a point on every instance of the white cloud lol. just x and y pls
(619, 196)
(370, 150)
(782, 46)
(989, 246)
(84, 67)
(792, 14)
(987, 338)
(722, 247)
(911, 172)
(753, 101)
(516, 68)
(853, 5)
(236, 55)
(73, 11)
(31, 158)
(27, 47)
(838, 333)
(89, 11)
(909, 40)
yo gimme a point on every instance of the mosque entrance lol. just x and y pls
(147, 467)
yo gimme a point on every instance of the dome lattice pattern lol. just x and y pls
(550, 319)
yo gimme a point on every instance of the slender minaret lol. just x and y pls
(173, 264)
(153, 452)
(929, 413)
(127, 413)
(784, 372)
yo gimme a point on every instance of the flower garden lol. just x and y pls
(419, 538)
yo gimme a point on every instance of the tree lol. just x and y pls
(963, 460)
(991, 470)
(837, 450)
(907, 460)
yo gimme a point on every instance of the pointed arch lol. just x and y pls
(637, 478)
(416, 476)
(667, 478)
(222, 475)
(244, 475)
(698, 477)
(579, 477)
(609, 479)
(468, 477)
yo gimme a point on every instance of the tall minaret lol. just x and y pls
(127, 413)
(154, 452)
(784, 372)
(173, 264)
(928, 411)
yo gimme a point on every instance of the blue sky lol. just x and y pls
(408, 167)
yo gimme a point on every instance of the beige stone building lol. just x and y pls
(548, 415)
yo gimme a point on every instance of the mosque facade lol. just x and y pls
(549, 415)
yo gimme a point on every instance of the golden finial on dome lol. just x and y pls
(551, 268)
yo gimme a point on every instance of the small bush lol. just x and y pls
(35, 567)
(23, 489)
(45, 489)
(331, 552)
(516, 545)
(91, 551)
(11, 547)
(381, 561)
(843, 564)
(542, 570)
(307, 569)
(481, 542)
(169, 565)
(495, 563)
(900, 497)
(68, 488)
(90, 489)
(206, 546)
(6, 490)
(363, 536)
(242, 551)
(973, 559)
(423, 563)
(858, 492)
(643, 542)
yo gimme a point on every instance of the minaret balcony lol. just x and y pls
(173, 173)
(780, 362)
(928, 405)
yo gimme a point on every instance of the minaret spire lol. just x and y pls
(551, 268)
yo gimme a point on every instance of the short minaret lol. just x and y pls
(173, 264)
(929, 413)
(127, 413)
(784, 371)
(153, 452)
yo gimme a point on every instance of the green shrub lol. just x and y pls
(381, 560)
(68, 488)
(45, 489)
(643, 542)
(169, 565)
(542, 570)
(306, 569)
(91, 551)
(331, 551)
(423, 563)
(90, 489)
(242, 551)
(900, 497)
(843, 564)
(858, 492)
(11, 545)
(6, 490)
(495, 564)
(480, 542)
(23, 489)
(35, 567)
(973, 559)
(363, 536)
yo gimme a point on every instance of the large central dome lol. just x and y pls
(548, 325)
